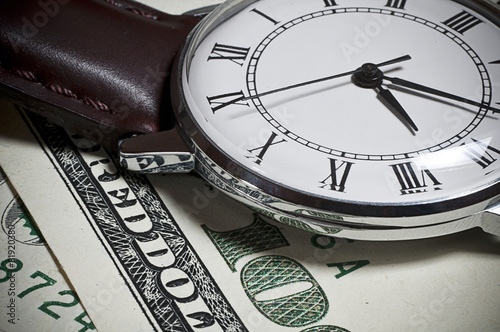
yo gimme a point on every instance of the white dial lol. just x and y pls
(277, 88)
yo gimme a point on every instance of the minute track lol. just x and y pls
(255, 95)
(327, 145)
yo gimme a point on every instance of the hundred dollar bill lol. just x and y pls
(169, 253)
(35, 295)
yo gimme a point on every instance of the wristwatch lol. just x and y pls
(363, 119)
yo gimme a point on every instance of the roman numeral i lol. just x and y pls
(267, 17)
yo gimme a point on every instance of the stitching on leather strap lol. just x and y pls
(30, 76)
(132, 9)
(27, 75)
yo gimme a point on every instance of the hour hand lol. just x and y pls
(389, 98)
(370, 76)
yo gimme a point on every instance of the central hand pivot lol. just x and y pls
(368, 76)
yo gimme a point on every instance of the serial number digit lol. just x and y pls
(6, 266)
(48, 282)
(45, 306)
(86, 325)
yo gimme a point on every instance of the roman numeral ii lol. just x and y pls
(462, 22)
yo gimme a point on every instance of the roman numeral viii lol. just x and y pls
(262, 150)
(412, 181)
(235, 54)
(339, 171)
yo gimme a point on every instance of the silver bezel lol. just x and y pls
(278, 199)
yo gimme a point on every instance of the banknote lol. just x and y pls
(35, 294)
(171, 253)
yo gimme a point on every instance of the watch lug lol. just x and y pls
(161, 152)
(491, 219)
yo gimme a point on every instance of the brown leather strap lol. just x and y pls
(98, 67)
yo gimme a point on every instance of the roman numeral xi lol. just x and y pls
(234, 54)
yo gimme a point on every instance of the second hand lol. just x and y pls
(323, 79)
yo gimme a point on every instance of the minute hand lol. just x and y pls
(426, 89)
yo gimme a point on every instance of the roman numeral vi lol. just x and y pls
(339, 171)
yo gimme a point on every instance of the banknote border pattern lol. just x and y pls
(76, 175)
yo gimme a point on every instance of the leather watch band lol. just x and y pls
(98, 67)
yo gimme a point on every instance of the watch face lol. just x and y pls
(377, 107)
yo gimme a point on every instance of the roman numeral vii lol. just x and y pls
(413, 181)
